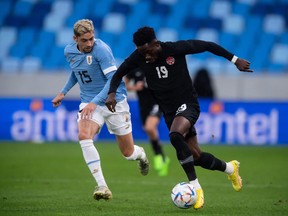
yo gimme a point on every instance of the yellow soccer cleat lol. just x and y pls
(200, 199)
(235, 177)
(102, 192)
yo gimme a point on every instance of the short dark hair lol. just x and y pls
(143, 35)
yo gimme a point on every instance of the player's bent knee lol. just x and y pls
(149, 129)
(83, 136)
(176, 139)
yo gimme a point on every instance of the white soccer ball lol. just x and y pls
(183, 195)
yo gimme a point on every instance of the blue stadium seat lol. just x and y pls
(208, 34)
(186, 34)
(23, 8)
(8, 36)
(38, 13)
(15, 21)
(262, 51)
(11, 65)
(228, 40)
(31, 65)
(284, 37)
(154, 21)
(43, 44)
(274, 24)
(108, 37)
(234, 24)
(119, 7)
(64, 37)
(167, 34)
(241, 9)
(5, 9)
(220, 9)
(101, 8)
(141, 10)
(55, 59)
(192, 22)
(160, 9)
(201, 9)
(247, 40)
(279, 54)
(114, 22)
(175, 19)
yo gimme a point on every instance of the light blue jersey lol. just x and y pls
(93, 72)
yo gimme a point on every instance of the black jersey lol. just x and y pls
(168, 77)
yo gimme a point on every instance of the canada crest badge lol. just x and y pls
(170, 60)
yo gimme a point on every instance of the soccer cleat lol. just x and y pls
(158, 162)
(235, 177)
(102, 192)
(164, 169)
(143, 165)
(200, 199)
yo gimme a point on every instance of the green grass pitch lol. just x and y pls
(52, 179)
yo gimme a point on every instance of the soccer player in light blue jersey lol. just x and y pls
(93, 65)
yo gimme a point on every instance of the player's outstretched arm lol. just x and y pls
(243, 65)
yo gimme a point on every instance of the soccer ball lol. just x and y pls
(183, 195)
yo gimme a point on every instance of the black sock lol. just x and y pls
(208, 161)
(183, 154)
(157, 148)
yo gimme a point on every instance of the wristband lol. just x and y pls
(234, 59)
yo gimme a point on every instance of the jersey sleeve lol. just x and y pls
(101, 97)
(105, 58)
(72, 80)
(199, 46)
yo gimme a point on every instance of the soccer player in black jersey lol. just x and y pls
(167, 76)
(150, 117)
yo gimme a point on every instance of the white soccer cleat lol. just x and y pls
(102, 192)
(143, 164)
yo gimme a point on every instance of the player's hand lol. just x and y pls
(111, 102)
(57, 100)
(139, 85)
(87, 111)
(243, 65)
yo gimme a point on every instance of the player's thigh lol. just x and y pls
(119, 122)
(89, 127)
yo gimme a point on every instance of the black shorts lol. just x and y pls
(149, 110)
(190, 111)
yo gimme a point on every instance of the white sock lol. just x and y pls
(92, 159)
(229, 168)
(195, 184)
(138, 154)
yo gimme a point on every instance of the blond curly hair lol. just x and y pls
(83, 26)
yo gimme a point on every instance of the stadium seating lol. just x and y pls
(33, 34)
